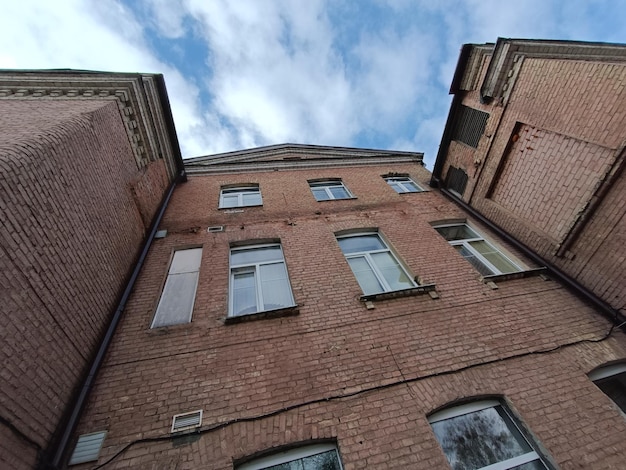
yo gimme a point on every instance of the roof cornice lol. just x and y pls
(295, 157)
(141, 99)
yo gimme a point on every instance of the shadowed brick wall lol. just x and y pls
(366, 378)
(74, 209)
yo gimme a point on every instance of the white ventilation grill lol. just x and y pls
(187, 421)
(216, 228)
(87, 448)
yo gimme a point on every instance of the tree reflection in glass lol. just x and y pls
(480, 438)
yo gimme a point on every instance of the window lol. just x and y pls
(240, 197)
(313, 457)
(456, 180)
(483, 435)
(179, 293)
(258, 280)
(469, 125)
(376, 269)
(612, 381)
(403, 184)
(329, 189)
(482, 255)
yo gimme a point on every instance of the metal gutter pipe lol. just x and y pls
(614, 315)
(60, 450)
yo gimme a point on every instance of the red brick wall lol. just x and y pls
(71, 200)
(570, 118)
(367, 378)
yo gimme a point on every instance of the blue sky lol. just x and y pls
(248, 73)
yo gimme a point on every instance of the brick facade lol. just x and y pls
(75, 208)
(364, 378)
(549, 166)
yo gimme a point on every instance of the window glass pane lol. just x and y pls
(397, 188)
(391, 271)
(361, 243)
(230, 201)
(256, 255)
(365, 276)
(475, 440)
(185, 261)
(473, 260)
(339, 192)
(324, 461)
(615, 387)
(320, 194)
(494, 257)
(244, 292)
(411, 186)
(176, 300)
(275, 286)
(457, 232)
(252, 199)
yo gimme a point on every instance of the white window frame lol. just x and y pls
(367, 255)
(606, 372)
(326, 185)
(467, 244)
(472, 407)
(400, 181)
(239, 191)
(160, 315)
(289, 456)
(255, 268)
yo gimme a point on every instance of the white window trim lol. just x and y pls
(472, 407)
(606, 371)
(466, 243)
(398, 180)
(240, 195)
(372, 264)
(254, 268)
(288, 456)
(326, 185)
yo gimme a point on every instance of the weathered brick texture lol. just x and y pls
(73, 206)
(552, 156)
(365, 378)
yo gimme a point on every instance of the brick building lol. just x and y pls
(535, 142)
(85, 160)
(304, 306)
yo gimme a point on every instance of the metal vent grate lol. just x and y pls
(87, 448)
(469, 126)
(187, 421)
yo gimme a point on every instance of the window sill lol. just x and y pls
(515, 275)
(266, 314)
(337, 199)
(411, 291)
(238, 208)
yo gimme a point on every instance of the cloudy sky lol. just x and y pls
(247, 73)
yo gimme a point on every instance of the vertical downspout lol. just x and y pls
(61, 448)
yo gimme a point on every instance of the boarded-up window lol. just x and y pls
(456, 180)
(179, 293)
(469, 125)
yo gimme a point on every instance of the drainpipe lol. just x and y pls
(64, 438)
(614, 315)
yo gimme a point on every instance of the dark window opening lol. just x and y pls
(469, 126)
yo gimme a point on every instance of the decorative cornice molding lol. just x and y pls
(136, 96)
(295, 157)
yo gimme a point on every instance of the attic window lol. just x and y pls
(456, 180)
(87, 448)
(187, 421)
